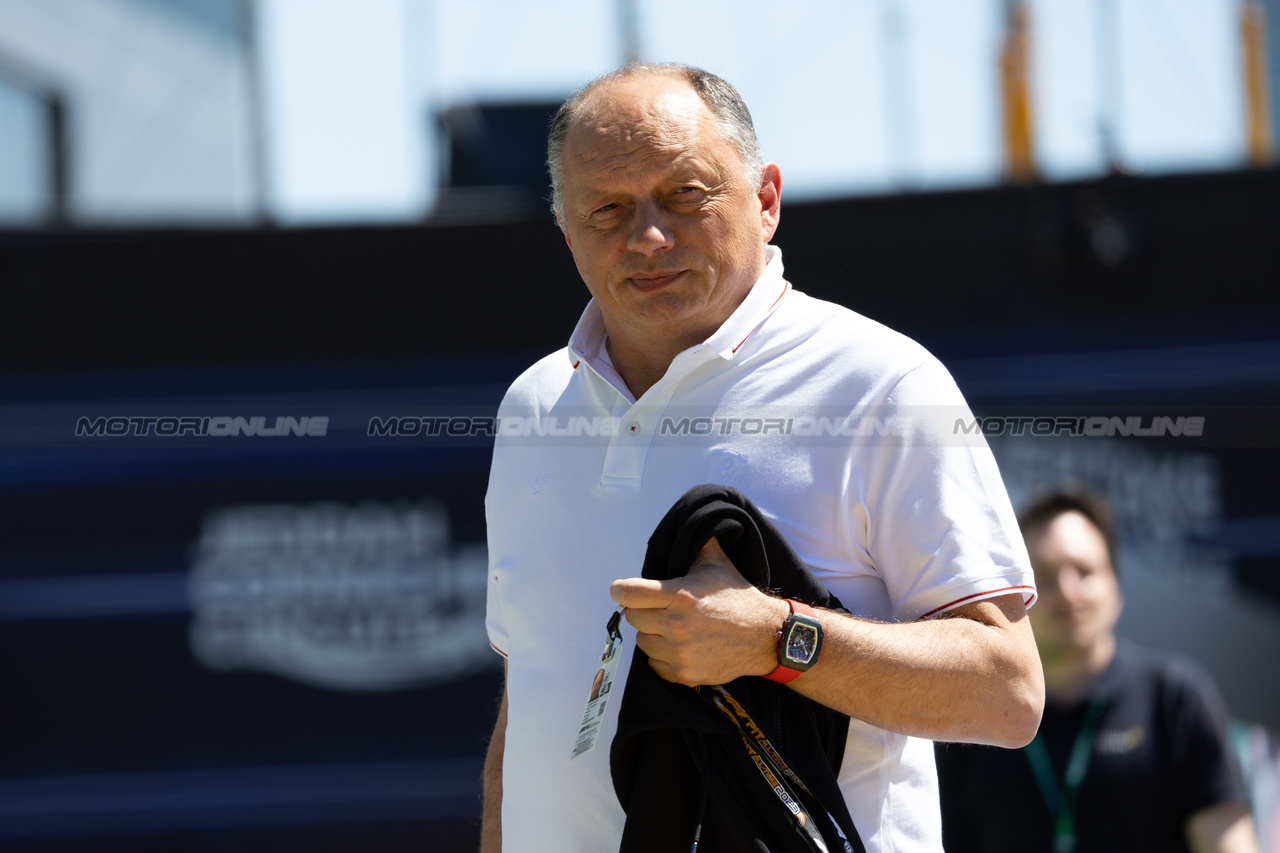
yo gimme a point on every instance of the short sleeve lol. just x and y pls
(493, 618)
(493, 621)
(942, 530)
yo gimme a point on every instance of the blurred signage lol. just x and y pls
(368, 597)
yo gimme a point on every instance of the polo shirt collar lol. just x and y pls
(759, 304)
(587, 342)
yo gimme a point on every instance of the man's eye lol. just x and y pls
(606, 208)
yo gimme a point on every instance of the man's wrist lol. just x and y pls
(798, 642)
(778, 611)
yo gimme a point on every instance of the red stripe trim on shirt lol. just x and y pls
(949, 605)
(498, 650)
(785, 285)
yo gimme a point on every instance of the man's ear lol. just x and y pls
(770, 195)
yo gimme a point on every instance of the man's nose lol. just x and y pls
(650, 232)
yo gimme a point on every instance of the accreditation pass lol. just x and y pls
(601, 687)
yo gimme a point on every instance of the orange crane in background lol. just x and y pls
(1017, 137)
(1259, 144)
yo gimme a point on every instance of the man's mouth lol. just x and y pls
(648, 282)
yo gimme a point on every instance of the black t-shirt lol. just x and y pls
(1161, 753)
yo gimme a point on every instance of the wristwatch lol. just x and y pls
(799, 642)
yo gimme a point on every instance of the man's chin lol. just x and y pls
(665, 312)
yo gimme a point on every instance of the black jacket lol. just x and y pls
(680, 765)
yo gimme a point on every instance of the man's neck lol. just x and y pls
(1068, 675)
(640, 370)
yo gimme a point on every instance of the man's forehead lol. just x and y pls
(1068, 535)
(639, 93)
(648, 111)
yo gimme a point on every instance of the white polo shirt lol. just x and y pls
(847, 435)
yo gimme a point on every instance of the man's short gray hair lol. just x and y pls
(724, 102)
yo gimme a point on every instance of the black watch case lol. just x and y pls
(800, 643)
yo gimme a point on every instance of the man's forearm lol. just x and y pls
(491, 811)
(973, 676)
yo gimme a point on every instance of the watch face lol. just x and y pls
(802, 642)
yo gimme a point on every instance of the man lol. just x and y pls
(698, 351)
(1132, 754)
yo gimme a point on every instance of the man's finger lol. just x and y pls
(640, 593)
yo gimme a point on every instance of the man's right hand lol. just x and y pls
(708, 627)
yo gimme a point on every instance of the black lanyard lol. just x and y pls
(1060, 796)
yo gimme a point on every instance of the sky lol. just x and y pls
(850, 97)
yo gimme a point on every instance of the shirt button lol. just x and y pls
(633, 428)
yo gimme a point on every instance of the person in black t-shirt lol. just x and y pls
(1133, 751)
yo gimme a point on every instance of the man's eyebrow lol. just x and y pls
(592, 198)
(685, 174)
(706, 169)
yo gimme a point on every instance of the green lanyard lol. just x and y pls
(1061, 797)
